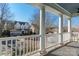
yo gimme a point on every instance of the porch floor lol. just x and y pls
(70, 49)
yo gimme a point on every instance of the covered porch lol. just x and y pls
(62, 44)
(67, 43)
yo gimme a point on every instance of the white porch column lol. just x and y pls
(61, 29)
(69, 28)
(42, 30)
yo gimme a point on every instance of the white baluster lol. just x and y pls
(27, 46)
(30, 45)
(6, 48)
(23, 46)
(35, 43)
(11, 47)
(20, 48)
(46, 41)
(16, 47)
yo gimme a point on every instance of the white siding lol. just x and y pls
(17, 26)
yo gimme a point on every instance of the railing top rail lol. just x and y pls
(22, 37)
(8, 38)
(28, 36)
(18, 37)
(56, 33)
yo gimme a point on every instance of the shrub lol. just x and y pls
(5, 33)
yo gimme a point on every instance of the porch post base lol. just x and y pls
(43, 52)
(61, 44)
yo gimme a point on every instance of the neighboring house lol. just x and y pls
(16, 28)
(34, 28)
(51, 30)
(20, 27)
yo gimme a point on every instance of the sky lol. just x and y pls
(75, 21)
(24, 12)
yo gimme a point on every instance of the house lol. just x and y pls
(51, 30)
(21, 25)
(20, 28)
(34, 28)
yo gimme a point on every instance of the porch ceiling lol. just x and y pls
(69, 9)
(58, 8)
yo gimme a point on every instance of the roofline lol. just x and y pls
(59, 8)
(55, 6)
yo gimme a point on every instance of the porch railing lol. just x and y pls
(75, 36)
(21, 45)
(27, 45)
(53, 39)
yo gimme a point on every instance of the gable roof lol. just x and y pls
(21, 23)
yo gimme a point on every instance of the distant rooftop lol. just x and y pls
(21, 22)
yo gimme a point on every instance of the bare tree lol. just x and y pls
(49, 21)
(5, 14)
(10, 25)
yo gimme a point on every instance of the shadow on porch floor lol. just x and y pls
(70, 49)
